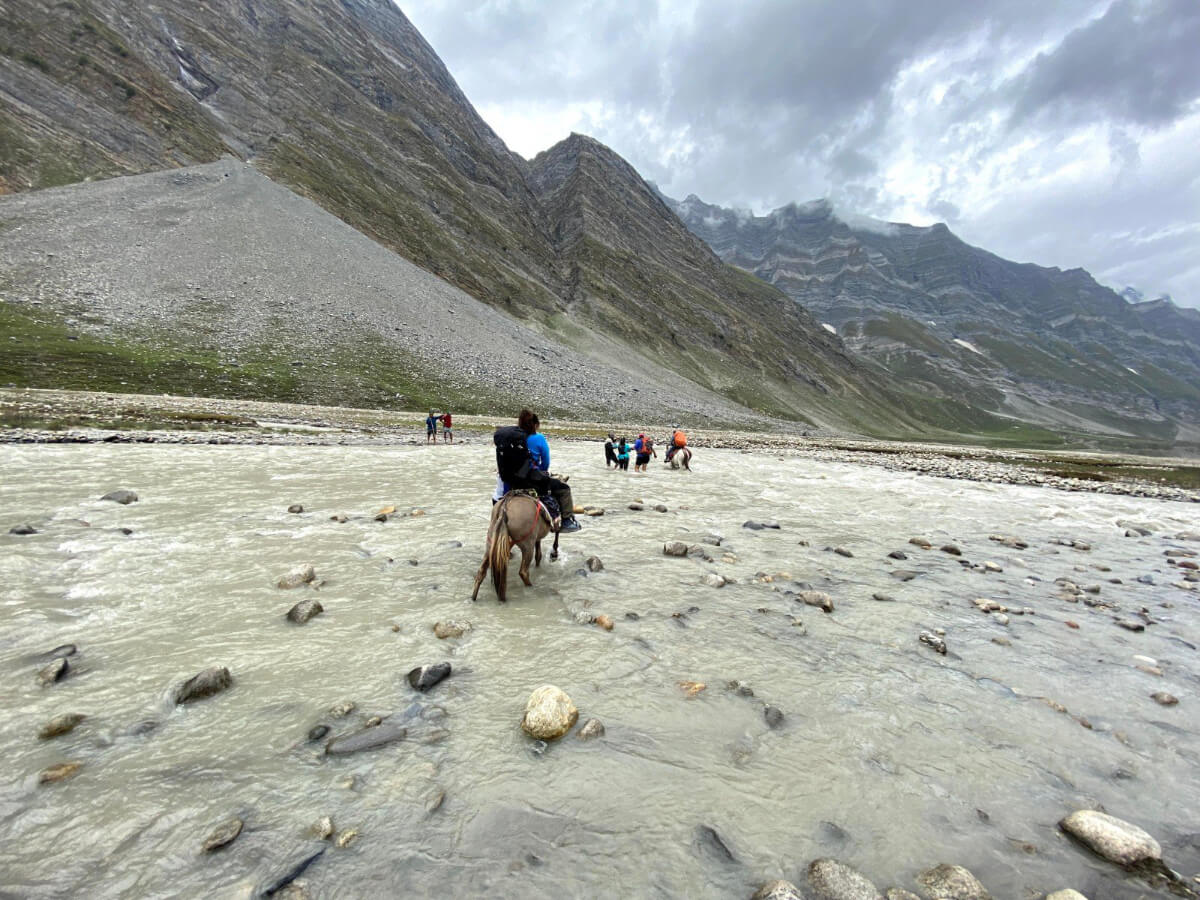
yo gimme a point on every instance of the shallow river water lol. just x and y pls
(889, 757)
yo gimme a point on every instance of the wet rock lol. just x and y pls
(883, 598)
(56, 670)
(1130, 625)
(295, 508)
(345, 838)
(931, 639)
(660, 507)
(903, 574)
(759, 526)
(1015, 543)
(305, 610)
(424, 677)
(712, 579)
(58, 772)
(633, 617)
(301, 575)
(773, 716)
(222, 836)
(435, 800)
(593, 564)
(951, 549)
(60, 724)
(920, 542)
(675, 548)
(897, 554)
(1110, 837)
(23, 529)
(592, 728)
(1002, 641)
(283, 876)
(340, 518)
(121, 496)
(816, 598)
(1066, 894)
(946, 882)
(371, 738)
(778, 890)
(549, 713)
(1162, 698)
(989, 566)
(317, 732)
(343, 709)
(604, 622)
(636, 507)
(833, 880)
(692, 688)
(709, 841)
(712, 539)
(1150, 670)
(1000, 618)
(204, 684)
(451, 629)
(322, 828)
(842, 551)
(899, 894)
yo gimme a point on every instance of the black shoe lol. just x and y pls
(569, 525)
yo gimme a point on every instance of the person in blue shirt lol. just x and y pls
(537, 475)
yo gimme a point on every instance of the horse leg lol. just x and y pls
(524, 570)
(483, 567)
(554, 549)
(537, 553)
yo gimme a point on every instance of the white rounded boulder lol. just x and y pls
(549, 713)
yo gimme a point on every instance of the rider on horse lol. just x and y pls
(678, 441)
(523, 461)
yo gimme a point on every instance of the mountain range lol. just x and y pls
(627, 302)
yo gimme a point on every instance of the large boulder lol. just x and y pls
(833, 880)
(946, 882)
(1110, 837)
(204, 684)
(549, 713)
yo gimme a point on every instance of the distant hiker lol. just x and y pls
(643, 457)
(678, 441)
(610, 456)
(447, 427)
(622, 455)
(523, 461)
(431, 428)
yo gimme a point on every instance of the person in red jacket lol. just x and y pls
(447, 427)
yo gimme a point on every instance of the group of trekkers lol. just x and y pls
(446, 420)
(618, 450)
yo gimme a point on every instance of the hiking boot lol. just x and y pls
(569, 525)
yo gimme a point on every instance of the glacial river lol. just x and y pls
(889, 757)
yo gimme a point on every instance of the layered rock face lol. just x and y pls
(1041, 344)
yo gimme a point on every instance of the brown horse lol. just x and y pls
(518, 520)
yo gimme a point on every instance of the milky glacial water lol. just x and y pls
(890, 757)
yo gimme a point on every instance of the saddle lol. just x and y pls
(549, 505)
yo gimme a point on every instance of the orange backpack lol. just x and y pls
(680, 439)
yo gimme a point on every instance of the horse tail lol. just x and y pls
(501, 544)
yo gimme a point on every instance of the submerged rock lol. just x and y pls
(317, 732)
(424, 677)
(899, 894)
(305, 610)
(675, 548)
(1066, 894)
(759, 526)
(300, 575)
(946, 882)
(1110, 837)
(951, 549)
(1162, 698)
(778, 890)
(928, 637)
(56, 670)
(451, 629)
(708, 840)
(60, 724)
(592, 728)
(24, 529)
(372, 738)
(295, 508)
(122, 496)
(204, 684)
(842, 551)
(322, 828)
(223, 835)
(773, 716)
(58, 772)
(1130, 625)
(920, 542)
(549, 713)
(816, 598)
(593, 564)
(883, 598)
(833, 880)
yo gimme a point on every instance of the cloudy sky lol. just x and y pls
(1061, 132)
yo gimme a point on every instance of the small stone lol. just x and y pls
(223, 835)
(346, 838)
(549, 713)
(816, 598)
(340, 518)
(834, 880)
(1002, 641)
(593, 564)
(903, 574)
(121, 496)
(842, 551)
(343, 709)
(299, 576)
(1162, 698)
(592, 728)
(636, 507)
(1151, 670)
(660, 507)
(204, 684)
(395, 627)
(926, 637)
(675, 548)
(778, 890)
(712, 579)
(946, 882)
(899, 894)
(435, 800)
(759, 526)
(883, 598)
(60, 724)
(1130, 625)
(692, 688)
(56, 670)
(773, 716)
(305, 610)
(1107, 836)
(317, 732)
(451, 629)
(1066, 894)
(295, 508)
(58, 772)
(424, 677)
(373, 721)
(920, 542)
(604, 622)
(25, 529)
(322, 828)
(951, 549)
(897, 554)
(1071, 624)
(1000, 618)
(989, 566)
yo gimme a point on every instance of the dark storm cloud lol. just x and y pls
(1040, 130)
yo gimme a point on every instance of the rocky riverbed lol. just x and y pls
(898, 674)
